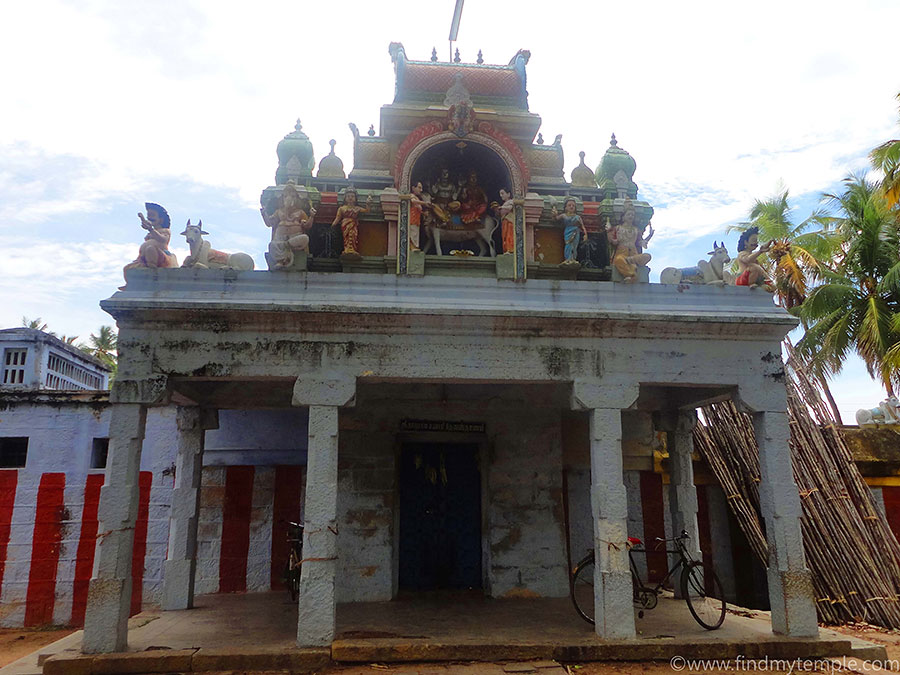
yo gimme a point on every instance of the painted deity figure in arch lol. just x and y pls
(629, 244)
(750, 272)
(444, 194)
(573, 230)
(473, 202)
(505, 211)
(154, 252)
(419, 207)
(348, 218)
(291, 223)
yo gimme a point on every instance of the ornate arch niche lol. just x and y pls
(495, 164)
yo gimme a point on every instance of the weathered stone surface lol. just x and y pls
(241, 659)
(154, 661)
(316, 613)
(69, 664)
(791, 592)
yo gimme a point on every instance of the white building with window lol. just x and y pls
(33, 359)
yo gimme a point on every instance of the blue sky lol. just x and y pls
(107, 105)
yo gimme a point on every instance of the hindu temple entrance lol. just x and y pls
(440, 517)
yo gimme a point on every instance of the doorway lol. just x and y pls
(440, 517)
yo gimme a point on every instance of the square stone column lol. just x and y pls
(316, 614)
(109, 592)
(679, 427)
(181, 561)
(613, 611)
(791, 592)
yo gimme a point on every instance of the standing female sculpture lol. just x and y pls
(572, 232)
(507, 216)
(348, 218)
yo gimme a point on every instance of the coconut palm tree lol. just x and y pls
(886, 158)
(798, 252)
(857, 303)
(103, 346)
(36, 324)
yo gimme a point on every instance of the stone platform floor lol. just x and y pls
(257, 631)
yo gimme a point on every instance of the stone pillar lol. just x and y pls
(403, 235)
(519, 244)
(604, 400)
(316, 615)
(109, 592)
(181, 561)
(679, 428)
(613, 611)
(791, 592)
(316, 611)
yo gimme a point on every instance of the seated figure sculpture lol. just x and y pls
(291, 222)
(473, 202)
(629, 244)
(154, 252)
(751, 273)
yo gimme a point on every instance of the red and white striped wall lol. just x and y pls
(48, 531)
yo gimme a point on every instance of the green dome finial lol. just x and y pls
(295, 156)
(614, 174)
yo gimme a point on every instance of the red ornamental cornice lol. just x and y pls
(422, 132)
(415, 137)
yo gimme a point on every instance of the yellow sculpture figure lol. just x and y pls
(629, 244)
(291, 222)
(154, 252)
(348, 218)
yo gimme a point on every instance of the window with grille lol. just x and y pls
(13, 452)
(14, 366)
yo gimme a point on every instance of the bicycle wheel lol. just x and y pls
(583, 589)
(702, 591)
(293, 584)
(292, 577)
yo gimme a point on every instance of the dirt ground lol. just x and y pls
(17, 642)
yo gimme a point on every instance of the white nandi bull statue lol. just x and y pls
(711, 272)
(482, 236)
(203, 256)
(887, 412)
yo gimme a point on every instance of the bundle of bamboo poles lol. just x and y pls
(850, 550)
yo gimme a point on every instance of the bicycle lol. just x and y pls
(701, 589)
(295, 558)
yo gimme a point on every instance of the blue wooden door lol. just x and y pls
(440, 517)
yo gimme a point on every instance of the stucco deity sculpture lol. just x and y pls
(751, 273)
(291, 222)
(629, 244)
(473, 201)
(444, 194)
(348, 218)
(419, 205)
(573, 230)
(203, 256)
(154, 252)
(506, 213)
